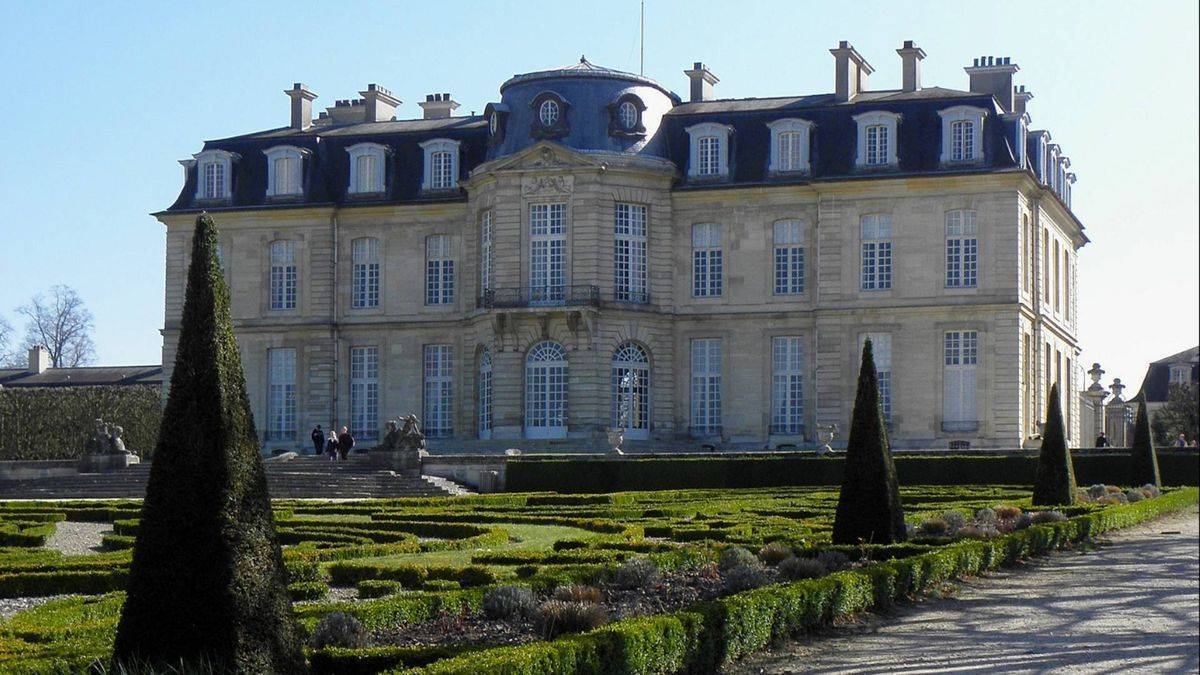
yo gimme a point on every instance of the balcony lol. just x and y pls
(539, 296)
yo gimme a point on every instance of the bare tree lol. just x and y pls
(61, 324)
(8, 357)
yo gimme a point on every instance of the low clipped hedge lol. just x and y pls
(617, 475)
(28, 534)
(708, 636)
(389, 611)
(307, 590)
(38, 584)
(371, 660)
(352, 572)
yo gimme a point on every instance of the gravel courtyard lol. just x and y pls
(1131, 605)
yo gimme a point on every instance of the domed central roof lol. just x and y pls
(583, 69)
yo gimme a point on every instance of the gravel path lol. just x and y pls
(1131, 605)
(71, 538)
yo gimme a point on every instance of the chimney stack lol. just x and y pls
(381, 105)
(437, 106)
(994, 75)
(302, 99)
(702, 82)
(850, 73)
(911, 56)
(1021, 99)
(39, 359)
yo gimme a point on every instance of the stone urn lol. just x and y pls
(615, 438)
(825, 434)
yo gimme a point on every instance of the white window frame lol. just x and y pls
(485, 251)
(630, 260)
(437, 396)
(547, 253)
(364, 392)
(951, 154)
(876, 260)
(719, 132)
(364, 286)
(375, 183)
(549, 112)
(436, 176)
(881, 350)
(1179, 373)
(962, 248)
(627, 115)
(706, 362)
(960, 411)
(439, 269)
(221, 162)
(289, 183)
(791, 157)
(788, 263)
(284, 274)
(631, 358)
(547, 399)
(890, 121)
(708, 261)
(787, 385)
(484, 418)
(281, 395)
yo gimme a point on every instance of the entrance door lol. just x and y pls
(631, 391)
(546, 391)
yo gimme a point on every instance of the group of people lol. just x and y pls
(1181, 442)
(336, 445)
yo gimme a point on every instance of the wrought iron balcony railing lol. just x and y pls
(539, 296)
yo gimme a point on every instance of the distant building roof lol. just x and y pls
(1157, 384)
(88, 376)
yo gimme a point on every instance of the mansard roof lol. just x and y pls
(83, 376)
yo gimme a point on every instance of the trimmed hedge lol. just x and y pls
(55, 422)
(38, 584)
(711, 635)
(615, 475)
(371, 660)
(389, 611)
(25, 534)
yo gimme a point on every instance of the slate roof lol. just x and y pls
(1156, 384)
(87, 376)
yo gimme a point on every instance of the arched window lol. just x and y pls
(546, 391)
(485, 393)
(962, 134)
(877, 138)
(285, 170)
(214, 174)
(789, 145)
(631, 390)
(441, 164)
(367, 168)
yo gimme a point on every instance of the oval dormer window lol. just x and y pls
(493, 123)
(628, 115)
(548, 113)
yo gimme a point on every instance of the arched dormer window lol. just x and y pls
(285, 170)
(962, 134)
(625, 117)
(441, 164)
(367, 168)
(709, 150)
(214, 175)
(876, 146)
(549, 115)
(790, 145)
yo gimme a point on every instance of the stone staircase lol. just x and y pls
(300, 478)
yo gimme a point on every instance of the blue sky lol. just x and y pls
(103, 98)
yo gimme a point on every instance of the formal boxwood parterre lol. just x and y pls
(429, 563)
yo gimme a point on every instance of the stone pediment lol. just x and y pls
(545, 155)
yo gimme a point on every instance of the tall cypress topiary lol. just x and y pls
(869, 504)
(1143, 459)
(1054, 484)
(207, 581)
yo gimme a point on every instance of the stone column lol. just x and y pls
(1115, 425)
(1095, 395)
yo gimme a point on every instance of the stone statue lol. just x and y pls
(116, 443)
(411, 438)
(98, 442)
(391, 440)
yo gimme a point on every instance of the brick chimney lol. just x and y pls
(438, 106)
(850, 72)
(702, 81)
(1021, 99)
(39, 359)
(380, 104)
(994, 75)
(302, 98)
(910, 57)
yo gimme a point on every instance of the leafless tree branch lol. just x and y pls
(62, 324)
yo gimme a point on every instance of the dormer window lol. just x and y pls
(789, 145)
(877, 139)
(285, 171)
(549, 115)
(962, 134)
(709, 156)
(627, 114)
(441, 164)
(497, 117)
(214, 170)
(625, 117)
(367, 168)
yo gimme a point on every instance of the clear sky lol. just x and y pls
(102, 99)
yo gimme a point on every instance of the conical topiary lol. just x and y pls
(868, 507)
(207, 583)
(1054, 484)
(1143, 459)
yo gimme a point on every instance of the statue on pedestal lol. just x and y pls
(105, 440)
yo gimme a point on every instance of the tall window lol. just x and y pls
(366, 167)
(283, 275)
(790, 153)
(1030, 372)
(281, 394)
(962, 140)
(877, 144)
(1057, 280)
(958, 377)
(364, 392)
(546, 391)
(365, 282)
(962, 136)
(441, 164)
(789, 257)
(213, 180)
(876, 233)
(789, 145)
(708, 156)
(284, 163)
(881, 348)
(439, 270)
(630, 383)
(962, 249)
(876, 140)
(547, 261)
(442, 171)
(787, 385)
(485, 393)
(1067, 395)
(706, 386)
(283, 180)
(1027, 259)
(709, 150)
(1045, 256)
(485, 251)
(707, 260)
(629, 253)
(1066, 263)
(438, 403)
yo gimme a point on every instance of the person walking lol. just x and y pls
(318, 440)
(1181, 442)
(331, 446)
(345, 443)
(1102, 440)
